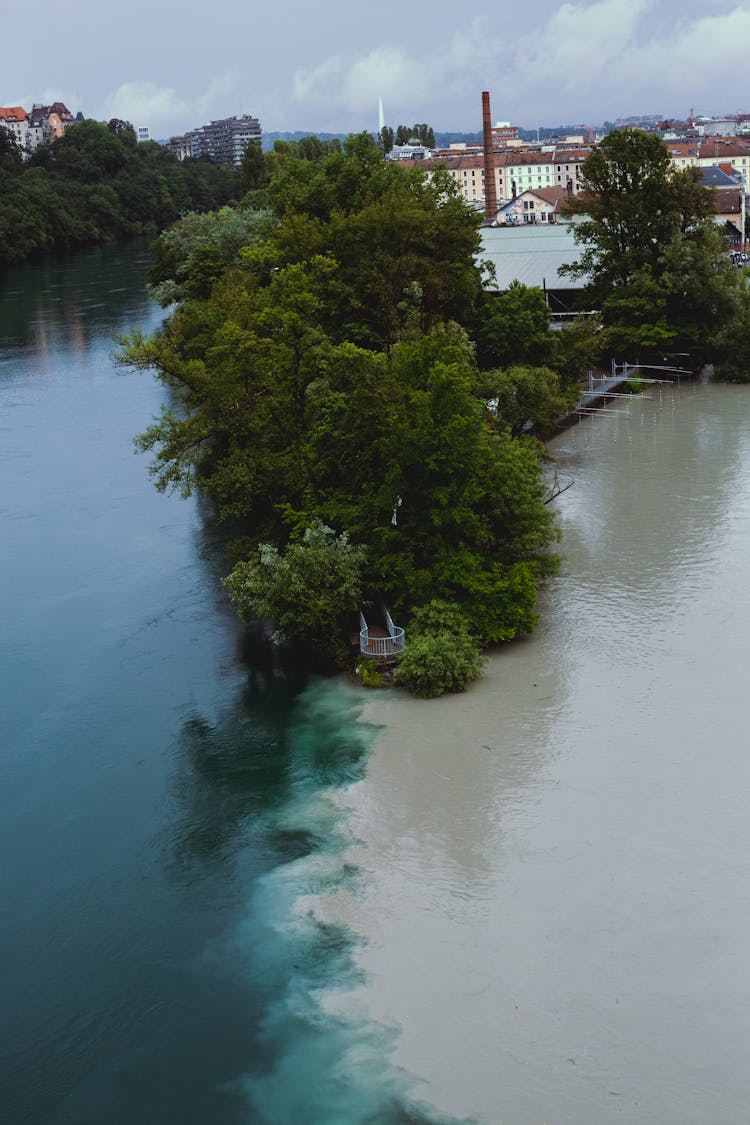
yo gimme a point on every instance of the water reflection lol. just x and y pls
(64, 302)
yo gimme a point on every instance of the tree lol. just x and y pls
(440, 654)
(95, 184)
(253, 167)
(524, 396)
(306, 590)
(124, 130)
(197, 250)
(321, 375)
(732, 353)
(513, 327)
(11, 161)
(423, 133)
(385, 138)
(653, 260)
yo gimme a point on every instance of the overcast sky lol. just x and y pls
(322, 66)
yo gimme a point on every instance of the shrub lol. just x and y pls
(370, 676)
(440, 654)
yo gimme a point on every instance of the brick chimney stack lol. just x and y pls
(490, 191)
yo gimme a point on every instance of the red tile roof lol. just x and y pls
(13, 113)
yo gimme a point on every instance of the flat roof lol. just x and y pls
(532, 254)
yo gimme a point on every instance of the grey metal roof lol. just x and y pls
(531, 254)
(717, 177)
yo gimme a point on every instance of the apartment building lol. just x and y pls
(525, 170)
(223, 141)
(516, 170)
(44, 124)
(713, 152)
(15, 119)
(568, 167)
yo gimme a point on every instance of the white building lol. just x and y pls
(15, 119)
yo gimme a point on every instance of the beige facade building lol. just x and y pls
(713, 152)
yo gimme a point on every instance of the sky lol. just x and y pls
(322, 67)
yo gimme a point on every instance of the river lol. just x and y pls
(235, 895)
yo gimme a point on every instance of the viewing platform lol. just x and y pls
(381, 642)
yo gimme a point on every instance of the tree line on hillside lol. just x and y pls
(97, 184)
(363, 412)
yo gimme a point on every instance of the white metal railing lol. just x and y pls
(382, 646)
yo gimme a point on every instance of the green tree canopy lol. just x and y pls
(513, 327)
(96, 184)
(307, 589)
(319, 374)
(655, 263)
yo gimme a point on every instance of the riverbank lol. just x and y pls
(549, 907)
(96, 186)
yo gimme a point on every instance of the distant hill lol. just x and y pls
(297, 135)
(443, 140)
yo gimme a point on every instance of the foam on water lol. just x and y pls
(322, 1057)
(551, 916)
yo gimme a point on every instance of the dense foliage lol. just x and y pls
(321, 376)
(441, 654)
(97, 184)
(656, 263)
(307, 589)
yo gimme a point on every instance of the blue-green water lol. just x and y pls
(161, 808)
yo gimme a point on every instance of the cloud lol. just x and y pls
(47, 96)
(586, 62)
(144, 103)
(166, 111)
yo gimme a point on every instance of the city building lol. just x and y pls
(502, 133)
(222, 142)
(43, 125)
(15, 119)
(535, 205)
(39, 130)
(412, 150)
(59, 117)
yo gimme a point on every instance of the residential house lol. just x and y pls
(535, 205)
(59, 117)
(728, 187)
(716, 151)
(39, 130)
(15, 119)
